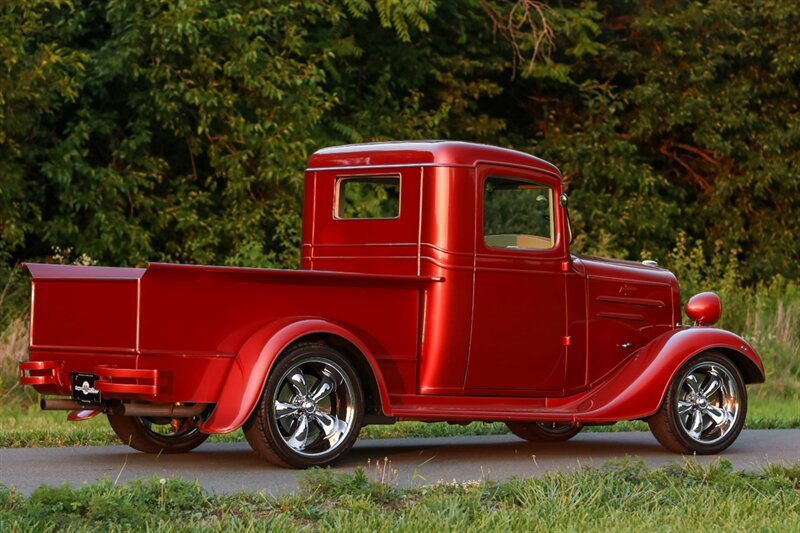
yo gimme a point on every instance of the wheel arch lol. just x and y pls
(749, 367)
(254, 361)
(638, 389)
(750, 371)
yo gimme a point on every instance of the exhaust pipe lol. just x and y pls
(166, 410)
(126, 409)
(57, 404)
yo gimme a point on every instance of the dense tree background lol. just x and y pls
(136, 130)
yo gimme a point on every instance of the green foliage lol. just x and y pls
(687, 120)
(767, 313)
(136, 131)
(144, 131)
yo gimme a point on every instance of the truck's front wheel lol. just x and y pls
(157, 435)
(311, 409)
(705, 406)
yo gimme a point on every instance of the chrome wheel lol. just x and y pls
(708, 404)
(704, 408)
(313, 407)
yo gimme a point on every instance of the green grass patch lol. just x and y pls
(620, 496)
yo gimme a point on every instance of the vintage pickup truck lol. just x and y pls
(436, 285)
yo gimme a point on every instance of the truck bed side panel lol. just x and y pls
(212, 313)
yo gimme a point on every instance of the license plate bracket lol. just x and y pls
(84, 390)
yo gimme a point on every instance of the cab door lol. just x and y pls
(519, 340)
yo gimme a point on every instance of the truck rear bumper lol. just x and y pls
(126, 380)
(153, 378)
(111, 380)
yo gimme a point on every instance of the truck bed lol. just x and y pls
(189, 322)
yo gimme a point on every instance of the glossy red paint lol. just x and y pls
(704, 308)
(440, 324)
(633, 391)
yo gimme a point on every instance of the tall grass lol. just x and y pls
(13, 348)
(766, 314)
(14, 310)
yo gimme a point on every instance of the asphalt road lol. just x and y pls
(231, 467)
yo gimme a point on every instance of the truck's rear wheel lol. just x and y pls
(157, 435)
(311, 409)
(705, 406)
(544, 431)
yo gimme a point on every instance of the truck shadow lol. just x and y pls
(413, 451)
(490, 449)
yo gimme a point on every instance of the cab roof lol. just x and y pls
(429, 153)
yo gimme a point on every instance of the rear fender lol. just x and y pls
(638, 388)
(242, 388)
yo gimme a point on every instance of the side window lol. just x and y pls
(367, 197)
(517, 214)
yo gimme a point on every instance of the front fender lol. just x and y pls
(245, 381)
(637, 389)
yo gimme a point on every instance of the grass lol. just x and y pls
(620, 496)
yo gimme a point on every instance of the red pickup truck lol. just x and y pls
(436, 285)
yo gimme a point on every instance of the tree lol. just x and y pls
(139, 130)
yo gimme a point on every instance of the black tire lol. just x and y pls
(697, 416)
(545, 431)
(141, 433)
(310, 420)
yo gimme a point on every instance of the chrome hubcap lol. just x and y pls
(313, 407)
(708, 403)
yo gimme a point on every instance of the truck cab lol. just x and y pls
(516, 311)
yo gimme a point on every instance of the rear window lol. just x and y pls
(368, 197)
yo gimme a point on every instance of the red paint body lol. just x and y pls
(441, 326)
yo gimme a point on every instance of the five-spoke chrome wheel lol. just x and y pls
(313, 406)
(705, 406)
(311, 409)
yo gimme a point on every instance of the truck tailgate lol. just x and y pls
(84, 308)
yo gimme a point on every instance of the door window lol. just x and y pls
(517, 214)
